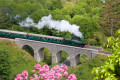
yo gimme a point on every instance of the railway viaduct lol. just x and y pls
(56, 49)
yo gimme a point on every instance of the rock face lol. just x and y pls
(74, 52)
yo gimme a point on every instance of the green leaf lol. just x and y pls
(112, 67)
(108, 78)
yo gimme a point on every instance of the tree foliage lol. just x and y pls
(56, 4)
(87, 25)
(84, 13)
(4, 65)
(111, 69)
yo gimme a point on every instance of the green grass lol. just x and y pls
(83, 58)
(20, 60)
(107, 49)
(65, 55)
(83, 71)
(47, 56)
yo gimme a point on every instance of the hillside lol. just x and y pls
(16, 60)
(110, 21)
(13, 60)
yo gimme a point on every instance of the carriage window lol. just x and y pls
(37, 37)
(30, 36)
(40, 38)
(55, 39)
(48, 38)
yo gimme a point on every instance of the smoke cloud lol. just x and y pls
(62, 25)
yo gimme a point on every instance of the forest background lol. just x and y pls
(97, 19)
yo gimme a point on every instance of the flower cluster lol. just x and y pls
(43, 73)
(22, 76)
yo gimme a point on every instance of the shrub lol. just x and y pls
(111, 69)
(43, 73)
(4, 65)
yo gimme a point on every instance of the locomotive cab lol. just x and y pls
(74, 43)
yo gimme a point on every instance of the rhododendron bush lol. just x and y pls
(43, 73)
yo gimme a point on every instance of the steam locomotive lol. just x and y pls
(38, 37)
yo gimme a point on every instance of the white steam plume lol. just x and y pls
(62, 25)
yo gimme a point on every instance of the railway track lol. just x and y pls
(100, 50)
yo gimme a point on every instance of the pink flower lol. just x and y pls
(44, 74)
(45, 68)
(65, 73)
(33, 71)
(72, 77)
(64, 67)
(35, 75)
(31, 78)
(18, 75)
(24, 73)
(40, 71)
(26, 77)
(37, 67)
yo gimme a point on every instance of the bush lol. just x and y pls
(43, 73)
(4, 65)
(111, 69)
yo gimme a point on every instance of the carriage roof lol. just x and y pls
(46, 36)
(9, 31)
(24, 33)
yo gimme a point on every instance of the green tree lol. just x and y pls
(37, 15)
(98, 39)
(87, 25)
(4, 65)
(79, 9)
(56, 4)
(111, 69)
(69, 6)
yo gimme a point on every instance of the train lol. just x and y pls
(39, 37)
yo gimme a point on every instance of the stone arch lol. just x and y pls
(42, 55)
(84, 58)
(89, 55)
(61, 55)
(29, 49)
(77, 59)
